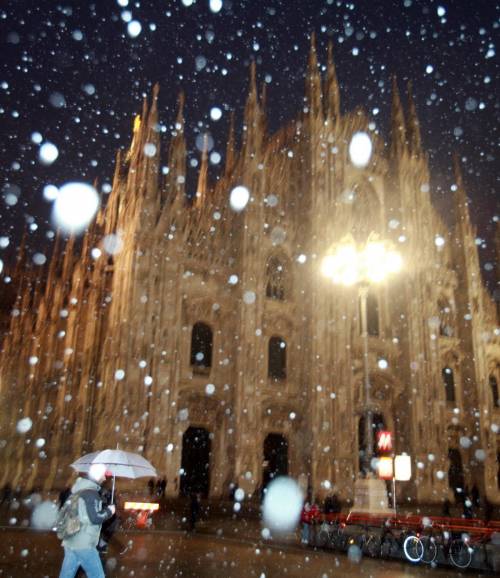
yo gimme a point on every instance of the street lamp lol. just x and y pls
(350, 264)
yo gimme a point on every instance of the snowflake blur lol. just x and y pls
(44, 515)
(239, 198)
(360, 149)
(75, 206)
(282, 505)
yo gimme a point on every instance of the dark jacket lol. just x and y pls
(91, 513)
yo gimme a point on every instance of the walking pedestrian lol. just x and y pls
(6, 494)
(468, 512)
(151, 486)
(194, 510)
(110, 525)
(85, 512)
(163, 487)
(306, 520)
(488, 509)
(474, 494)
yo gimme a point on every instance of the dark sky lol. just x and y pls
(71, 72)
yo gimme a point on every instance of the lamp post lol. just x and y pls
(353, 265)
(368, 453)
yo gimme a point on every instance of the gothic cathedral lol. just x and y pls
(197, 334)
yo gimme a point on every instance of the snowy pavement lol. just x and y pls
(160, 553)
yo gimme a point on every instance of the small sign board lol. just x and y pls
(402, 468)
(385, 469)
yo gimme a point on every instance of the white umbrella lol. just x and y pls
(120, 463)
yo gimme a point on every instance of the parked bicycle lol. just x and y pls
(332, 535)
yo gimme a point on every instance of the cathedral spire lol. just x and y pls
(398, 129)
(313, 81)
(108, 215)
(21, 256)
(139, 129)
(68, 259)
(263, 95)
(174, 188)
(252, 117)
(153, 112)
(230, 148)
(332, 87)
(413, 131)
(152, 155)
(179, 121)
(53, 265)
(462, 214)
(201, 189)
(263, 103)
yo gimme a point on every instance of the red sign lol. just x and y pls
(384, 441)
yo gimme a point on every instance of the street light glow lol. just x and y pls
(372, 263)
(343, 266)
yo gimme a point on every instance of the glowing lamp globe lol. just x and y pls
(360, 149)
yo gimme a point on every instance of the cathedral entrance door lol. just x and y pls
(195, 462)
(275, 458)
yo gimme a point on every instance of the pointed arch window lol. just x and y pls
(201, 347)
(449, 383)
(494, 390)
(277, 281)
(372, 315)
(277, 358)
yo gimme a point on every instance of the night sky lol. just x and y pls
(71, 72)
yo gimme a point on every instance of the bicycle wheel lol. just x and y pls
(413, 549)
(372, 546)
(460, 554)
(323, 538)
(340, 541)
(388, 547)
(430, 549)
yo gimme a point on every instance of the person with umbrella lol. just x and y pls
(117, 463)
(80, 549)
(110, 526)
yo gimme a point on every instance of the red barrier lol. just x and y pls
(418, 523)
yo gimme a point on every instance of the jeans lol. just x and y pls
(88, 559)
(305, 533)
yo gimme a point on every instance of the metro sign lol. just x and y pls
(384, 441)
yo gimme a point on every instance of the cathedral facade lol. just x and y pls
(208, 339)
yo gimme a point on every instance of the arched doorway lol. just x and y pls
(378, 424)
(195, 461)
(275, 458)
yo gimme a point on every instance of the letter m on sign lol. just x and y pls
(384, 441)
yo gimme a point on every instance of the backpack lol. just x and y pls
(68, 520)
